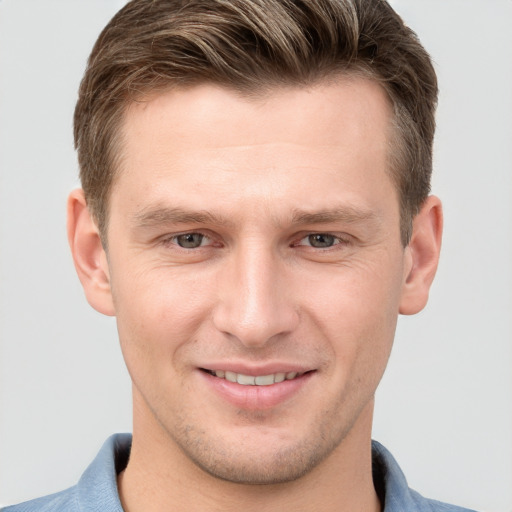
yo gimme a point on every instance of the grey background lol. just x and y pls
(444, 408)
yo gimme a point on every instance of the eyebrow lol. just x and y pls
(345, 214)
(159, 216)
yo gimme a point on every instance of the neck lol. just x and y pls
(159, 476)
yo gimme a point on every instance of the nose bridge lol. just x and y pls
(254, 305)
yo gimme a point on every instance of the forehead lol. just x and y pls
(275, 145)
(339, 99)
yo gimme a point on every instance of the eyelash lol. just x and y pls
(172, 240)
(338, 240)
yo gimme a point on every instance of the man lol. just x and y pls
(255, 213)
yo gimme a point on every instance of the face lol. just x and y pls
(256, 272)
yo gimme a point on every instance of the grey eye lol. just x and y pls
(190, 240)
(321, 240)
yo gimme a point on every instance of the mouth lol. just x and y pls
(254, 380)
(256, 389)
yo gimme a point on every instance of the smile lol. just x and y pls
(251, 380)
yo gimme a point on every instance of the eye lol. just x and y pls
(190, 240)
(320, 240)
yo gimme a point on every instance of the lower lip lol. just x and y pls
(256, 397)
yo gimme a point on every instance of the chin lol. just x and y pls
(256, 460)
(278, 468)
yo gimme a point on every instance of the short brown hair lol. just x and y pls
(250, 45)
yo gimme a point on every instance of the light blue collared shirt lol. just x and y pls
(96, 490)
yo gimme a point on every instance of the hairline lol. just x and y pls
(395, 138)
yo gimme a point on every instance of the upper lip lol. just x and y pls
(256, 370)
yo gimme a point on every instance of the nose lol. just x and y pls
(255, 305)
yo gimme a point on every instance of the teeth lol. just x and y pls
(250, 380)
(245, 380)
(231, 376)
(264, 380)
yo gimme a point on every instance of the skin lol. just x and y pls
(256, 181)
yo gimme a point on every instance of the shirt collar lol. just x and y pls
(390, 482)
(97, 489)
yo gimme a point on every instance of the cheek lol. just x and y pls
(157, 312)
(356, 310)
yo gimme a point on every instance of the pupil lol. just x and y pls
(190, 240)
(321, 240)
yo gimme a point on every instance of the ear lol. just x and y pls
(422, 256)
(88, 254)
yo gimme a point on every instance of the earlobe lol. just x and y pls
(88, 254)
(422, 256)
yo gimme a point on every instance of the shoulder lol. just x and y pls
(393, 491)
(428, 505)
(97, 488)
(60, 501)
